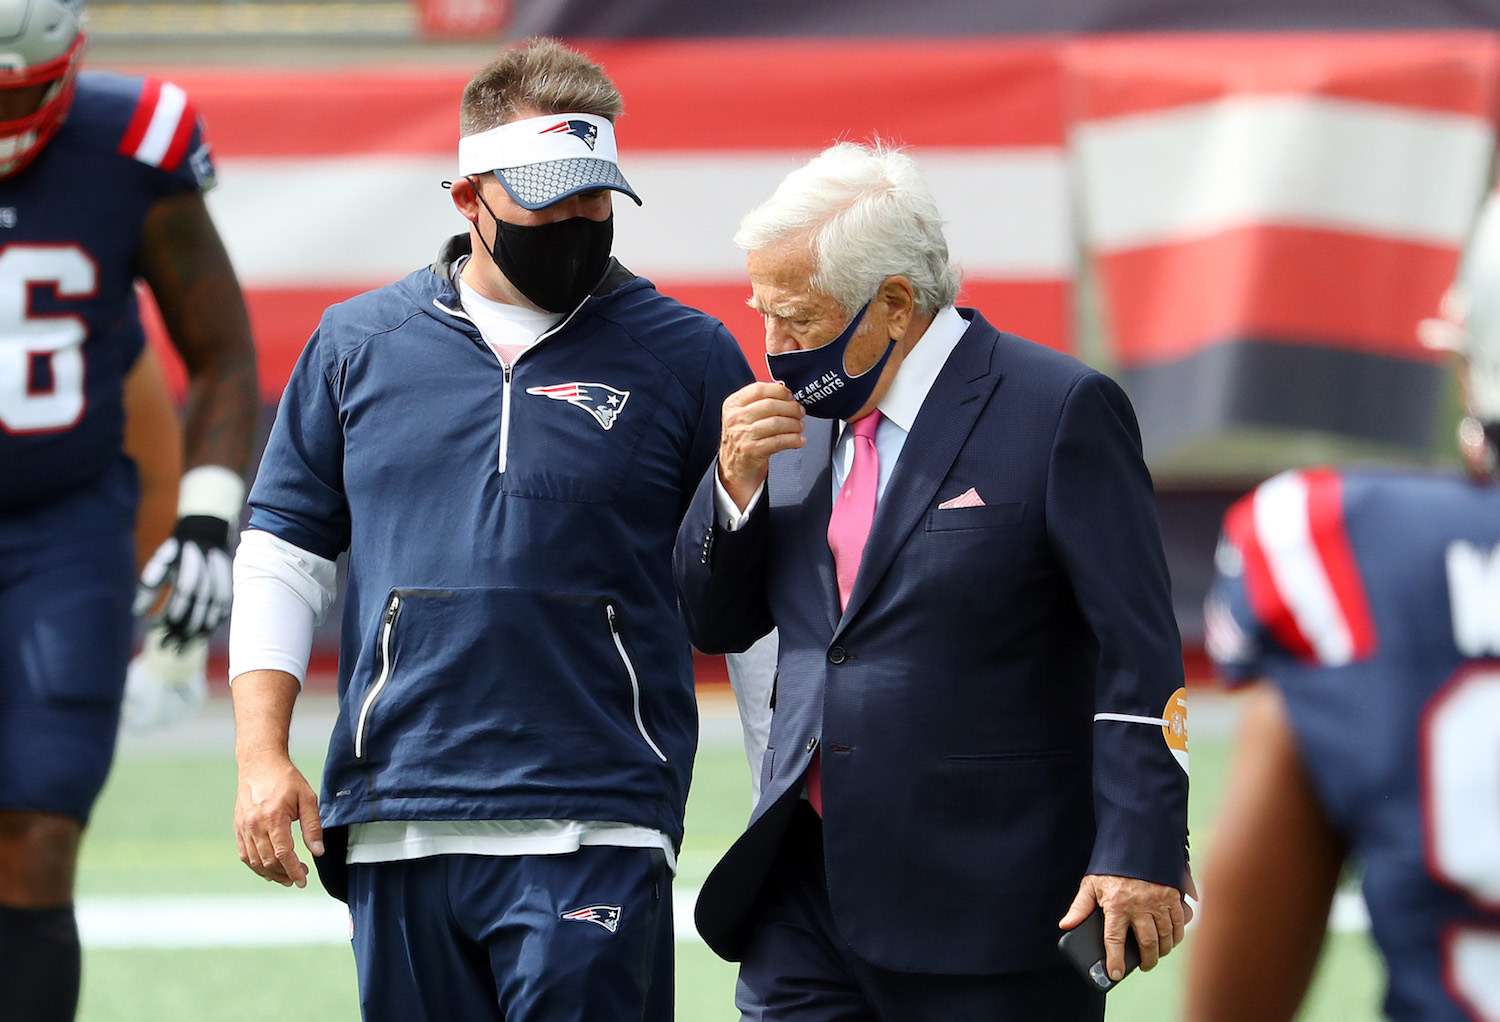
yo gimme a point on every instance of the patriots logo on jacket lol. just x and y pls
(583, 129)
(604, 403)
(607, 916)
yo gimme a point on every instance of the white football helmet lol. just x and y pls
(41, 43)
(1469, 324)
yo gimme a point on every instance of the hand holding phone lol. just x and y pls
(1083, 945)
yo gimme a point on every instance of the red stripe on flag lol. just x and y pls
(1266, 600)
(1448, 72)
(1036, 310)
(145, 109)
(681, 96)
(1341, 290)
(178, 148)
(283, 318)
(1325, 512)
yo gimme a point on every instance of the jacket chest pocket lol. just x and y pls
(580, 441)
(984, 516)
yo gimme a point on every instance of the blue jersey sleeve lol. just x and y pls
(299, 492)
(153, 123)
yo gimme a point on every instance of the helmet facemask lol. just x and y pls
(23, 138)
(41, 47)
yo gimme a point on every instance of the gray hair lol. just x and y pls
(538, 76)
(867, 214)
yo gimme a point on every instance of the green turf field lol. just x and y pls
(162, 830)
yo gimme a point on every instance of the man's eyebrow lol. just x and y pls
(783, 310)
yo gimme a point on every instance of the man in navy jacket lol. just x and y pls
(975, 716)
(504, 444)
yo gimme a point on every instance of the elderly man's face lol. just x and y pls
(799, 318)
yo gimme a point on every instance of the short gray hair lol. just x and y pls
(537, 76)
(867, 214)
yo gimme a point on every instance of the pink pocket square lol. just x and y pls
(968, 498)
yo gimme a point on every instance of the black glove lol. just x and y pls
(194, 565)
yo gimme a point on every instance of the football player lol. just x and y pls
(1369, 602)
(101, 180)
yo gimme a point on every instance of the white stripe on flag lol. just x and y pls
(1283, 529)
(1301, 161)
(368, 219)
(164, 120)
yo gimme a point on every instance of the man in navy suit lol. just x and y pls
(977, 732)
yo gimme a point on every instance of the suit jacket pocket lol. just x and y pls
(987, 516)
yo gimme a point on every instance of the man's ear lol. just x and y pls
(465, 198)
(900, 304)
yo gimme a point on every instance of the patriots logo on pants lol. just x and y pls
(602, 402)
(607, 916)
(583, 129)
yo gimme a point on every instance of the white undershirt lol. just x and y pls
(281, 592)
(507, 329)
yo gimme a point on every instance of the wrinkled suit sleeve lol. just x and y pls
(1102, 524)
(721, 575)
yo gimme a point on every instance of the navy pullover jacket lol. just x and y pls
(511, 647)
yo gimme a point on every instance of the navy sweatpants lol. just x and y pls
(529, 938)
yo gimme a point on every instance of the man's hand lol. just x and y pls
(759, 420)
(194, 565)
(1157, 914)
(273, 793)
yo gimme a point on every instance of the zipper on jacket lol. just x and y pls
(505, 413)
(635, 685)
(509, 368)
(387, 630)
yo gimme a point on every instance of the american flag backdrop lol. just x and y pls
(1242, 227)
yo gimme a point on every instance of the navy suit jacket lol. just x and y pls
(967, 788)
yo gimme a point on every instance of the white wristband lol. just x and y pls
(211, 490)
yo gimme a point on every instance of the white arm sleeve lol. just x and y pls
(281, 592)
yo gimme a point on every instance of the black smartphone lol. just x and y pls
(1083, 945)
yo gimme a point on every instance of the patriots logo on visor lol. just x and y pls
(602, 402)
(607, 916)
(589, 133)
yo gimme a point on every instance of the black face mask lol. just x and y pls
(554, 265)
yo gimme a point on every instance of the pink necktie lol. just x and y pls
(848, 528)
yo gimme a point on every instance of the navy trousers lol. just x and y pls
(798, 969)
(581, 937)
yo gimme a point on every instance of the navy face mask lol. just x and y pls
(817, 378)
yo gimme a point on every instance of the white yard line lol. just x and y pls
(125, 922)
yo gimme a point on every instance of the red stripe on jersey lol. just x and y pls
(180, 138)
(1266, 600)
(1325, 512)
(145, 109)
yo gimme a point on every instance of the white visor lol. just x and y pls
(542, 160)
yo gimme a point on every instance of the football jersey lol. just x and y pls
(1371, 599)
(71, 225)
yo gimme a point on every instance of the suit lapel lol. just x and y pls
(803, 479)
(958, 395)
